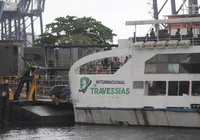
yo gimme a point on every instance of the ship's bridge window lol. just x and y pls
(178, 88)
(153, 88)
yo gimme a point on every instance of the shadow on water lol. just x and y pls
(95, 132)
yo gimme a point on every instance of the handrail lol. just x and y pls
(193, 40)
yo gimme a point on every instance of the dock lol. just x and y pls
(44, 111)
(26, 105)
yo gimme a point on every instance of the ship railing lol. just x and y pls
(166, 35)
(96, 70)
(195, 40)
(164, 44)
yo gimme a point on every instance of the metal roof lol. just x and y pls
(167, 21)
(64, 45)
(183, 15)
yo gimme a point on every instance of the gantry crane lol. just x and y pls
(17, 16)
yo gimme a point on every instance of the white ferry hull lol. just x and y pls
(148, 117)
(113, 98)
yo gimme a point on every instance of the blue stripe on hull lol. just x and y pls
(139, 109)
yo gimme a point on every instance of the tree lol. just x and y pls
(67, 29)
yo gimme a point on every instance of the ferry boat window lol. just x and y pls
(184, 87)
(138, 85)
(156, 68)
(183, 69)
(162, 68)
(173, 88)
(173, 63)
(150, 68)
(173, 68)
(177, 58)
(162, 58)
(195, 88)
(156, 88)
(178, 88)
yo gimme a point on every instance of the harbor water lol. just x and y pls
(94, 132)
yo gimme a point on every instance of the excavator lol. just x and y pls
(29, 79)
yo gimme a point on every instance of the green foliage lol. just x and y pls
(70, 28)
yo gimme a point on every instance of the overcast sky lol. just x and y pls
(112, 13)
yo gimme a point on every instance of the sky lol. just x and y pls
(112, 13)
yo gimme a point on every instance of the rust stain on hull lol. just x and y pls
(146, 121)
(138, 122)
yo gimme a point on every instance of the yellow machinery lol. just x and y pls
(28, 78)
(33, 93)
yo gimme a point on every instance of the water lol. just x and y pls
(97, 133)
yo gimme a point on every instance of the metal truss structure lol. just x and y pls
(192, 7)
(17, 16)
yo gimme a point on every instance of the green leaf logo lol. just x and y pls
(85, 82)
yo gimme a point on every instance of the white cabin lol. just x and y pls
(161, 72)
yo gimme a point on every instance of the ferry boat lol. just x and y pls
(158, 85)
